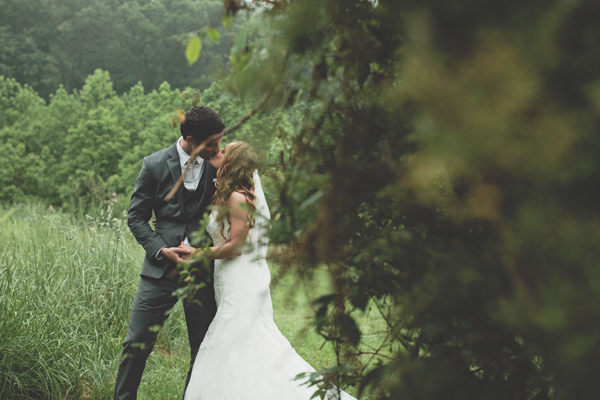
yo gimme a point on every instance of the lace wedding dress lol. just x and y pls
(244, 356)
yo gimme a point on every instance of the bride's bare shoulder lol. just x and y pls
(236, 199)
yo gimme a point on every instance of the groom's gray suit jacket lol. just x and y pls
(174, 219)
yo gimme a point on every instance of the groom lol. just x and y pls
(176, 220)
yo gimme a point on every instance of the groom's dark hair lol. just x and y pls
(201, 122)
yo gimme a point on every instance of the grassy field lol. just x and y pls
(66, 288)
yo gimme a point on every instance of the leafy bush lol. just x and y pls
(446, 172)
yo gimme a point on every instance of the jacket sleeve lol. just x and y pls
(140, 212)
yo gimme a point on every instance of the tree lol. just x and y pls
(49, 43)
(444, 172)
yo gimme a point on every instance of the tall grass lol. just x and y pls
(66, 287)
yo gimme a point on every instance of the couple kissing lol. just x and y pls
(237, 351)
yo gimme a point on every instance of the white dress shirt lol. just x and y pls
(192, 179)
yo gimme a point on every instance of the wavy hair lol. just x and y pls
(235, 175)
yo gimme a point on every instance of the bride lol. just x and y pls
(244, 355)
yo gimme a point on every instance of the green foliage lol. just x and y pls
(442, 164)
(439, 160)
(65, 287)
(192, 49)
(83, 150)
(50, 43)
(214, 35)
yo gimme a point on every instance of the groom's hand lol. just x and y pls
(175, 254)
(190, 250)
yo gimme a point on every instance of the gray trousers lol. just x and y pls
(151, 305)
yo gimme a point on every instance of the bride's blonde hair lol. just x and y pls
(235, 175)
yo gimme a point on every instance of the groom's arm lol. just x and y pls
(140, 212)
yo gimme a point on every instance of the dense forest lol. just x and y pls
(47, 44)
(83, 150)
(439, 160)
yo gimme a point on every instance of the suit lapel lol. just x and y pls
(175, 168)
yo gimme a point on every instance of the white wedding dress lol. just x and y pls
(244, 356)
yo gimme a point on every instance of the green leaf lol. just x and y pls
(213, 34)
(359, 299)
(155, 328)
(192, 50)
(322, 304)
(349, 328)
(226, 21)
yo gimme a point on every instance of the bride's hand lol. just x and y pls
(191, 251)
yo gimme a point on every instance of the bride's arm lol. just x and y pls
(238, 215)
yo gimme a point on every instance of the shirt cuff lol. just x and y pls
(158, 256)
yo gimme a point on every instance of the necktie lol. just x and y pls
(189, 180)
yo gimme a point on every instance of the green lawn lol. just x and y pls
(66, 287)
